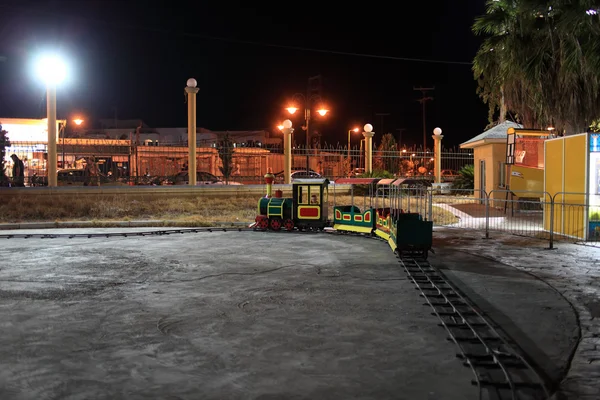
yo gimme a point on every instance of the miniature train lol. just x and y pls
(406, 233)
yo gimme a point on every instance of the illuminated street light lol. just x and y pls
(280, 127)
(78, 121)
(307, 108)
(437, 154)
(287, 150)
(191, 90)
(52, 70)
(368, 134)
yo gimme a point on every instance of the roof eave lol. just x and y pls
(482, 142)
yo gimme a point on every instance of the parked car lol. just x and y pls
(202, 178)
(298, 174)
(71, 177)
(448, 175)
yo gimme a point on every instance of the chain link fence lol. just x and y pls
(560, 217)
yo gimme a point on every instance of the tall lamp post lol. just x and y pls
(53, 71)
(368, 134)
(287, 130)
(191, 91)
(307, 108)
(349, 163)
(437, 145)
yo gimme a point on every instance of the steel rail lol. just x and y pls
(159, 232)
(498, 353)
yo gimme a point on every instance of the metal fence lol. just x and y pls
(121, 161)
(560, 217)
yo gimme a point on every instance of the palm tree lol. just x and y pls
(465, 179)
(541, 61)
(385, 157)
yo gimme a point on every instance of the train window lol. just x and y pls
(315, 194)
(303, 195)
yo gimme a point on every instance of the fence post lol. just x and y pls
(487, 214)
(430, 199)
(551, 244)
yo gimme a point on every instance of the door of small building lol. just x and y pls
(482, 188)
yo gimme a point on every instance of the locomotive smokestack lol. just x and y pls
(269, 178)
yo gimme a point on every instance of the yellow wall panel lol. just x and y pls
(526, 181)
(574, 167)
(553, 180)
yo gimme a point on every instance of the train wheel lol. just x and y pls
(276, 224)
(288, 224)
(263, 223)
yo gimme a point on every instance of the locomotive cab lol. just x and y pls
(311, 203)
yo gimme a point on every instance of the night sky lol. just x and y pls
(132, 59)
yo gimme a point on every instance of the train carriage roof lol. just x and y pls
(357, 181)
(311, 181)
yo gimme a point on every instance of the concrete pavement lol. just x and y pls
(222, 315)
(251, 315)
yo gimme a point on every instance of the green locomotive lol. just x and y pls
(306, 210)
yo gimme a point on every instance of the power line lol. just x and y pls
(249, 42)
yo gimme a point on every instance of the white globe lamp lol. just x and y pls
(287, 124)
(192, 83)
(368, 128)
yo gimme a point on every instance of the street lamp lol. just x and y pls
(287, 150)
(78, 121)
(368, 134)
(52, 70)
(191, 90)
(349, 163)
(307, 107)
(437, 143)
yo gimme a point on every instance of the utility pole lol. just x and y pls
(400, 130)
(423, 100)
(381, 117)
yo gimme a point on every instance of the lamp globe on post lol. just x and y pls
(368, 134)
(437, 141)
(287, 150)
(52, 70)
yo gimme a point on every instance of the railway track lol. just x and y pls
(500, 371)
(159, 232)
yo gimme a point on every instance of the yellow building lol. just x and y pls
(489, 153)
(572, 179)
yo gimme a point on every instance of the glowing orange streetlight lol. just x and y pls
(308, 102)
(280, 127)
(78, 121)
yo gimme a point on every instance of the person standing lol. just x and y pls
(91, 173)
(18, 172)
